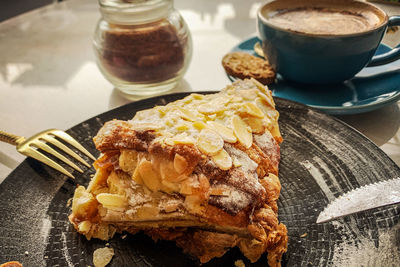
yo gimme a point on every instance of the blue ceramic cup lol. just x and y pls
(323, 41)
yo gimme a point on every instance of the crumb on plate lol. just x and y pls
(102, 256)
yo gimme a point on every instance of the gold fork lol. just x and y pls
(30, 147)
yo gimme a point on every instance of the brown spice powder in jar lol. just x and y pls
(143, 53)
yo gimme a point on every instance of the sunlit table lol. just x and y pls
(49, 79)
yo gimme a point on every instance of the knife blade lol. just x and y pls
(363, 198)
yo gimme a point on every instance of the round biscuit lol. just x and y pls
(243, 65)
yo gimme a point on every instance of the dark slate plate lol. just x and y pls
(321, 158)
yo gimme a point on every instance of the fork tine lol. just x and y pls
(50, 139)
(51, 151)
(39, 156)
(72, 141)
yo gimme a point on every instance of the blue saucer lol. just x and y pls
(372, 88)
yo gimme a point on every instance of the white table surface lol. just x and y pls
(49, 79)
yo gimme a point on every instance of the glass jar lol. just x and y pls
(142, 47)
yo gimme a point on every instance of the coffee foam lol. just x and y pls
(324, 17)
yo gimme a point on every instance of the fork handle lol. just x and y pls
(10, 138)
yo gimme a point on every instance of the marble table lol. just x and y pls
(49, 79)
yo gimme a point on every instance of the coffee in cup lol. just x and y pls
(323, 41)
(324, 21)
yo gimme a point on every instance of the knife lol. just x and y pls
(364, 198)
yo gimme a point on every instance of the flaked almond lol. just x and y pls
(210, 117)
(181, 178)
(186, 188)
(236, 163)
(185, 100)
(269, 112)
(263, 88)
(180, 163)
(197, 96)
(136, 176)
(210, 108)
(256, 124)
(272, 114)
(170, 122)
(183, 139)
(209, 142)
(111, 200)
(162, 110)
(236, 99)
(267, 99)
(249, 94)
(149, 176)
(242, 131)
(199, 125)
(251, 109)
(225, 132)
(187, 115)
(169, 187)
(167, 171)
(204, 186)
(222, 160)
(144, 114)
(265, 109)
(230, 89)
(182, 127)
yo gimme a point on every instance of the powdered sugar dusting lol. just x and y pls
(314, 170)
(137, 197)
(45, 230)
(241, 184)
(364, 251)
(247, 164)
(65, 250)
(233, 200)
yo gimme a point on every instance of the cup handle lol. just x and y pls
(391, 55)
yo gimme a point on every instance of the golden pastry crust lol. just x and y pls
(201, 170)
(243, 65)
(116, 134)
